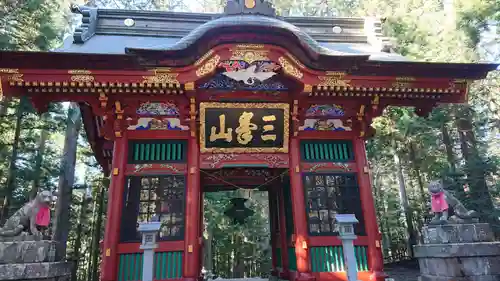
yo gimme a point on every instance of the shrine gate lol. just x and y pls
(164, 95)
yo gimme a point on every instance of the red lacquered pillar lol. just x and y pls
(192, 236)
(285, 266)
(115, 202)
(375, 258)
(299, 214)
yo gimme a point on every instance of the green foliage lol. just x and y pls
(232, 243)
(33, 25)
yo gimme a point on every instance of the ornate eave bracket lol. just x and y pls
(89, 23)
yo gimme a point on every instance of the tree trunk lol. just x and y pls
(44, 135)
(93, 230)
(11, 176)
(78, 240)
(66, 181)
(416, 168)
(475, 166)
(404, 200)
(449, 148)
(423, 195)
(208, 253)
(4, 105)
(96, 235)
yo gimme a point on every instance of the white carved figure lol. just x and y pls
(249, 75)
(324, 125)
(149, 123)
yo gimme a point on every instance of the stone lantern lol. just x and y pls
(346, 231)
(149, 232)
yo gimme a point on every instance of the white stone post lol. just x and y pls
(149, 231)
(346, 231)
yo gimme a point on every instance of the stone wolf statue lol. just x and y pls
(32, 214)
(442, 201)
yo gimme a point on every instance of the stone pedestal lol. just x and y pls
(458, 252)
(25, 260)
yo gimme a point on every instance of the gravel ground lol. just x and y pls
(403, 271)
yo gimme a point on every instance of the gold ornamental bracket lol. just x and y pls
(250, 53)
(333, 80)
(12, 75)
(290, 69)
(209, 66)
(162, 76)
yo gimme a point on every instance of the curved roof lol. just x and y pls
(248, 21)
(104, 32)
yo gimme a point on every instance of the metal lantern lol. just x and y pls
(238, 211)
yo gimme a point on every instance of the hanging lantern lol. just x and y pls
(238, 211)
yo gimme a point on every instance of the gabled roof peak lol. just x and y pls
(260, 7)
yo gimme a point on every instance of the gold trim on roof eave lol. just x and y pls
(107, 90)
(380, 95)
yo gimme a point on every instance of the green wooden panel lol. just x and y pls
(306, 151)
(278, 258)
(167, 265)
(140, 148)
(136, 151)
(162, 154)
(326, 150)
(292, 259)
(146, 152)
(160, 151)
(331, 258)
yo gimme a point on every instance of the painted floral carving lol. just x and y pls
(158, 109)
(324, 125)
(158, 124)
(326, 110)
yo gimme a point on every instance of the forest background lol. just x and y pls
(460, 143)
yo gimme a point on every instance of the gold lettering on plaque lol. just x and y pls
(268, 128)
(222, 134)
(244, 130)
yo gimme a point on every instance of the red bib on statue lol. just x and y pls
(439, 203)
(43, 216)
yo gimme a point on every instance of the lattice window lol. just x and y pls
(150, 196)
(327, 195)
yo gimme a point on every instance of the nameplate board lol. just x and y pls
(244, 127)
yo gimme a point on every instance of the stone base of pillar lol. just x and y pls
(274, 272)
(192, 278)
(304, 277)
(458, 252)
(23, 259)
(284, 274)
(378, 276)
